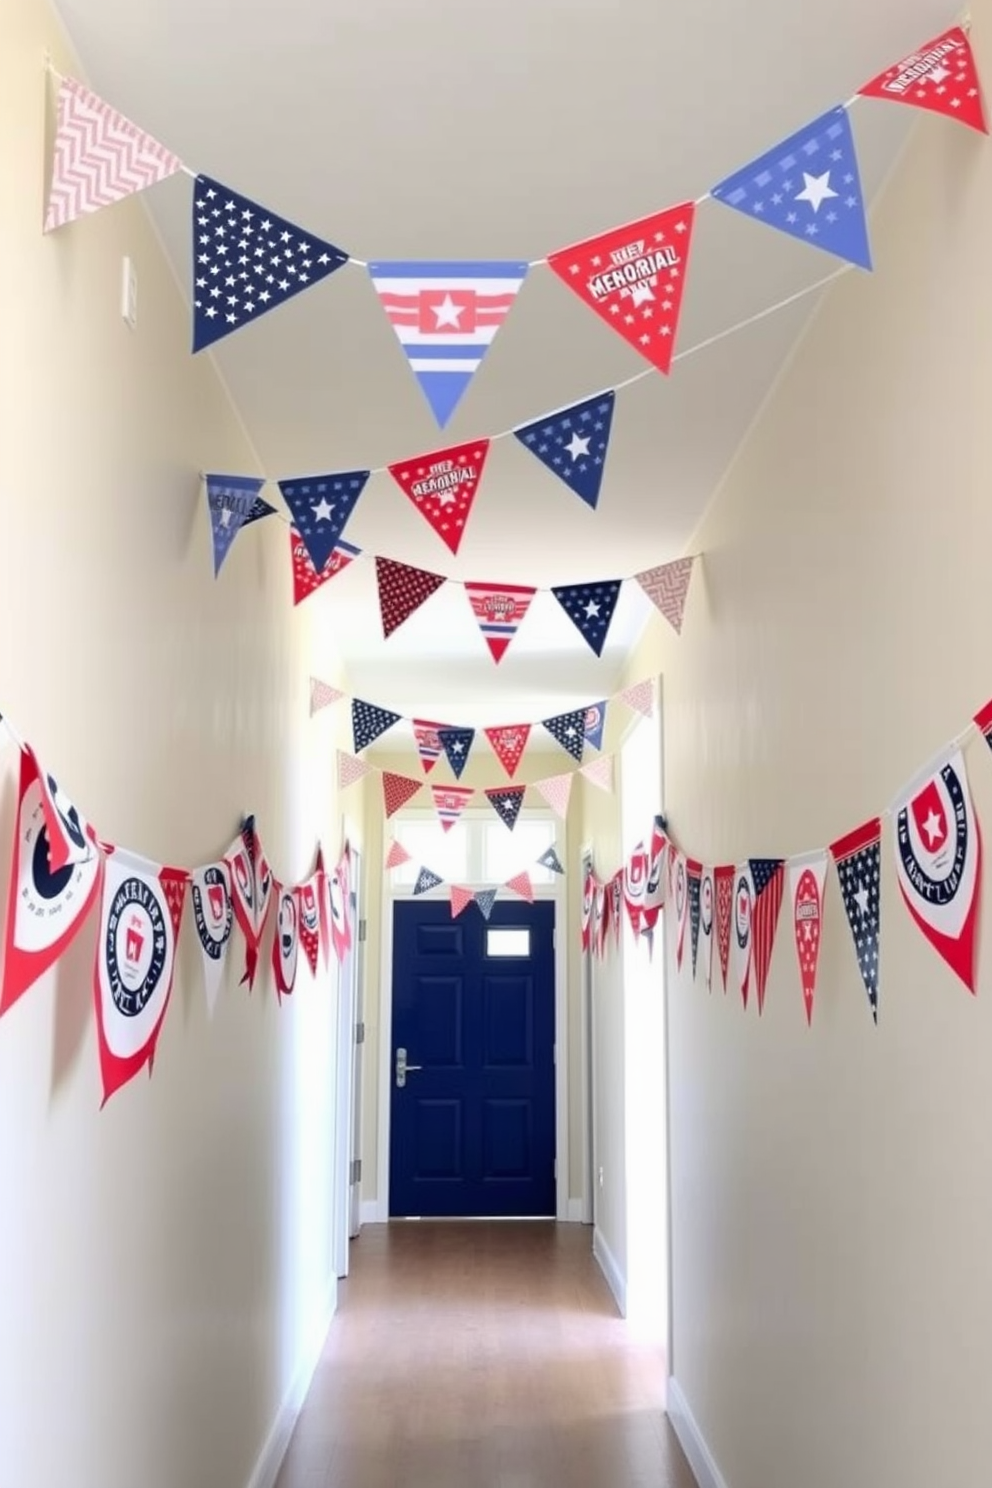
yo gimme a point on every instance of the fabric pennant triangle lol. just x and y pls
(368, 722)
(230, 499)
(768, 879)
(306, 579)
(442, 486)
(247, 260)
(499, 609)
(590, 608)
(640, 698)
(723, 885)
(446, 316)
(320, 506)
(460, 900)
(595, 719)
(941, 77)
(633, 277)
(258, 511)
(666, 586)
(350, 769)
(396, 791)
(428, 740)
(858, 859)
(427, 880)
(508, 743)
(520, 884)
(600, 772)
(694, 875)
(809, 187)
(100, 157)
(457, 746)
(485, 899)
(807, 876)
(551, 861)
(569, 730)
(573, 443)
(506, 801)
(402, 590)
(983, 721)
(449, 802)
(556, 790)
(322, 695)
(397, 855)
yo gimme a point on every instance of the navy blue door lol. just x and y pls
(472, 1128)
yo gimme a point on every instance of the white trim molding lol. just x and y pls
(691, 1439)
(576, 1211)
(276, 1444)
(615, 1279)
(371, 1213)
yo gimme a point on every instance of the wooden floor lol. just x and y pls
(485, 1355)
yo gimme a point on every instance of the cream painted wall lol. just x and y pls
(832, 1220)
(164, 1263)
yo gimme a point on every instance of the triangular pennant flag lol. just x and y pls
(286, 940)
(707, 912)
(635, 877)
(457, 745)
(397, 855)
(258, 511)
(768, 878)
(569, 730)
(449, 801)
(251, 891)
(508, 743)
(312, 922)
(616, 906)
(941, 76)
(446, 315)
(402, 590)
(588, 903)
(230, 498)
(634, 278)
(322, 695)
(306, 579)
(485, 899)
(460, 900)
(983, 719)
(743, 920)
(247, 260)
(551, 861)
(723, 883)
(939, 862)
(426, 880)
(600, 772)
(807, 876)
(808, 186)
(590, 608)
(595, 719)
(427, 736)
(213, 914)
(640, 698)
(858, 858)
(573, 443)
(520, 884)
(338, 884)
(350, 769)
(368, 722)
(506, 801)
(654, 887)
(694, 872)
(556, 790)
(499, 609)
(442, 486)
(666, 587)
(323, 903)
(680, 900)
(320, 507)
(396, 791)
(100, 157)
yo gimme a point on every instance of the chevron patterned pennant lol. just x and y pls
(556, 790)
(322, 695)
(666, 587)
(100, 157)
(350, 769)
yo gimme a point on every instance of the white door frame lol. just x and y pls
(344, 1105)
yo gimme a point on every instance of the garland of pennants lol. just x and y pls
(461, 897)
(736, 906)
(61, 869)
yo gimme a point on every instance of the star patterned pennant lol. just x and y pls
(396, 791)
(428, 740)
(485, 899)
(595, 720)
(590, 608)
(322, 695)
(941, 77)
(768, 879)
(397, 855)
(230, 499)
(350, 770)
(258, 511)
(508, 743)
(426, 880)
(640, 698)
(457, 745)
(983, 720)
(306, 579)
(551, 861)
(666, 586)
(556, 790)
(633, 277)
(446, 316)
(809, 187)
(449, 802)
(858, 859)
(520, 884)
(694, 873)
(569, 730)
(573, 443)
(460, 900)
(506, 801)
(807, 876)
(600, 772)
(368, 722)
(247, 261)
(402, 590)
(320, 506)
(442, 486)
(499, 609)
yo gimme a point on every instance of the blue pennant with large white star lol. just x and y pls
(568, 729)
(247, 260)
(809, 187)
(457, 744)
(321, 505)
(590, 608)
(573, 443)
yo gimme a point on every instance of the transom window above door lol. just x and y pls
(479, 849)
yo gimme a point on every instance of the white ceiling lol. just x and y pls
(464, 129)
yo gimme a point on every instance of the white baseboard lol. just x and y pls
(691, 1439)
(576, 1209)
(615, 1279)
(370, 1213)
(270, 1458)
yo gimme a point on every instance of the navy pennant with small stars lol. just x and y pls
(550, 859)
(259, 508)
(321, 505)
(693, 879)
(456, 743)
(573, 443)
(506, 801)
(247, 260)
(485, 899)
(426, 880)
(368, 722)
(569, 730)
(859, 867)
(590, 608)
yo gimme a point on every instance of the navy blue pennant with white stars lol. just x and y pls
(506, 801)
(260, 508)
(321, 505)
(247, 260)
(573, 443)
(858, 857)
(550, 859)
(590, 608)
(569, 730)
(457, 744)
(368, 722)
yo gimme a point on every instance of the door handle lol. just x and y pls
(403, 1069)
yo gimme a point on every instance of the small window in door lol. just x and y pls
(506, 942)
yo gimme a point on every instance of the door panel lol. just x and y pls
(473, 1121)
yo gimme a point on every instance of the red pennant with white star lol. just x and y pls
(306, 579)
(634, 277)
(402, 590)
(442, 486)
(941, 77)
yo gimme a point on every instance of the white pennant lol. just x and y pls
(213, 915)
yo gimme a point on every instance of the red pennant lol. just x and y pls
(402, 590)
(633, 277)
(325, 930)
(306, 579)
(806, 880)
(251, 890)
(588, 900)
(310, 920)
(397, 790)
(635, 880)
(397, 855)
(616, 905)
(442, 486)
(769, 883)
(339, 901)
(499, 609)
(521, 884)
(460, 899)
(723, 879)
(508, 743)
(941, 77)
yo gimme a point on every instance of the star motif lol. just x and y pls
(592, 610)
(577, 447)
(322, 510)
(861, 898)
(933, 827)
(816, 190)
(447, 313)
(640, 293)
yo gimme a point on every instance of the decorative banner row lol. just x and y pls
(573, 730)
(461, 897)
(938, 861)
(247, 260)
(60, 869)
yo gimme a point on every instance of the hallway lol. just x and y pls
(487, 1354)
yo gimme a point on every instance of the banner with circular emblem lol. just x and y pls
(140, 913)
(654, 888)
(213, 915)
(339, 904)
(286, 940)
(251, 891)
(635, 879)
(707, 911)
(743, 914)
(310, 920)
(680, 902)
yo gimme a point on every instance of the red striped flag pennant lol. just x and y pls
(449, 802)
(768, 880)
